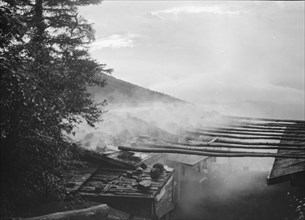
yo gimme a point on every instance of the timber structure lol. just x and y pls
(283, 140)
(120, 189)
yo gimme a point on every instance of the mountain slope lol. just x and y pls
(121, 92)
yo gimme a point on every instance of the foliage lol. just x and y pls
(45, 70)
(296, 202)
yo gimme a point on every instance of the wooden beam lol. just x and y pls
(207, 147)
(263, 119)
(225, 141)
(272, 125)
(251, 126)
(95, 212)
(237, 146)
(210, 154)
(246, 133)
(215, 134)
(254, 130)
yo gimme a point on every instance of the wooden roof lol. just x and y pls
(121, 159)
(116, 183)
(283, 168)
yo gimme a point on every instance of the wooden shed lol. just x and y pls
(119, 189)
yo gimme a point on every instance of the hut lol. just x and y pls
(121, 189)
(115, 179)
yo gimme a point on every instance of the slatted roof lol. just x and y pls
(283, 168)
(285, 138)
(288, 136)
(115, 182)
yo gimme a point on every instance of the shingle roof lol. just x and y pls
(284, 167)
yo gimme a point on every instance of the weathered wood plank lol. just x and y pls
(95, 212)
(206, 153)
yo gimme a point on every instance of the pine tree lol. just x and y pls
(45, 71)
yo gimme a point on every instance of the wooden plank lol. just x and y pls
(209, 147)
(136, 204)
(251, 126)
(264, 119)
(165, 200)
(123, 181)
(257, 134)
(81, 177)
(193, 152)
(254, 130)
(235, 146)
(95, 212)
(216, 134)
(243, 142)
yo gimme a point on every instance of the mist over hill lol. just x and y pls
(156, 108)
(119, 92)
(134, 111)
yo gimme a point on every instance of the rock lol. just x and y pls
(159, 166)
(155, 173)
(139, 170)
(144, 185)
(143, 166)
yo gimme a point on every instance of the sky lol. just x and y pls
(239, 58)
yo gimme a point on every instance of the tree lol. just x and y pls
(45, 71)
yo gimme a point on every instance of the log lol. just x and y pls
(264, 119)
(95, 212)
(258, 134)
(254, 130)
(251, 126)
(214, 134)
(196, 148)
(224, 141)
(274, 125)
(204, 153)
(236, 146)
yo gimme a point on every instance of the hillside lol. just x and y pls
(121, 92)
(134, 111)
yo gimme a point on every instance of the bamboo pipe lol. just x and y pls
(271, 126)
(256, 130)
(202, 153)
(184, 147)
(246, 133)
(219, 140)
(216, 145)
(263, 127)
(263, 119)
(274, 125)
(243, 137)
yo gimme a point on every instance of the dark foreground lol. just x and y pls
(242, 195)
(238, 195)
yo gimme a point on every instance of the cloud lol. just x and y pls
(215, 9)
(115, 41)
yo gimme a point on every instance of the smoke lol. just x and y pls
(172, 117)
(126, 124)
(237, 189)
(228, 194)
